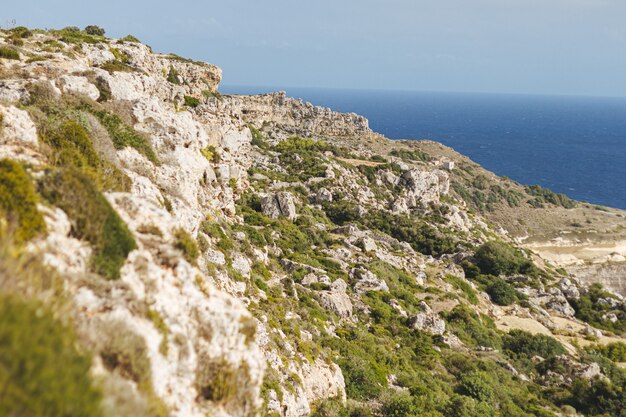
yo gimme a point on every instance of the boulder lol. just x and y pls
(428, 321)
(280, 204)
(367, 281)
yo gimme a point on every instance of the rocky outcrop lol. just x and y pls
(290, 115)
(428, 321)
(281, 204)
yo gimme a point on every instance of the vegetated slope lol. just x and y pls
(179, 252)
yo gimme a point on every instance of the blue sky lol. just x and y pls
(518, 46)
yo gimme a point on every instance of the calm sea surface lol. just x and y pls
(572, 145)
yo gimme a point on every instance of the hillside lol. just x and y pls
(171, 251)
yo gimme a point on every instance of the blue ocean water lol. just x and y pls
(572, 145)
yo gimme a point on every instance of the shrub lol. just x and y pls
(464, 286)
(615, 351)
(187, 245)
(471, 328)
(18, 201)
(191, 102)
(497, 258)
(543, 195)
(72, 147)
(130, 38)
(420, 235)
(173, 77)
(415, 155)
(9, 53)
(41, 371)
(94, 30)
(501, 292)
(399, 404)
(94, 220)
(123, 135)
(590, 309)
(211, 154)
(477, 385)
(527, 345)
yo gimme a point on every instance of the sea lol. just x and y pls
(571, 145)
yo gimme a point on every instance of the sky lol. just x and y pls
(565, 47)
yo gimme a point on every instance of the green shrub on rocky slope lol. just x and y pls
(41, 372)
(93, 218)
(18, 201)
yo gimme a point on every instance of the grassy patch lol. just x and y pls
(9, 53)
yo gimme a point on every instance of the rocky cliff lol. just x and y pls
(244, 255)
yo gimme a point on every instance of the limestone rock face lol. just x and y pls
(281, 204)
(291, 115)
(428, 321)
(323, 381)
(367, 281)
(424, 186)
(79, 85)
(18, 136)
(337, 300)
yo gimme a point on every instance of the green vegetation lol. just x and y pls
(187, 245)
(543, 196)
(173, 77)
(41, 371)
(591, 309)
(72, 147)
(498, 258)
(211, 154)
(9, 53)
(74, 35)
(123, 135)
(525, 345)
(501, 292)
(472, 329)
(94, 30)
(464, 286)
(130, 38)
(94, 220)
(191, 102)
(615, 351)
(414, 155)
(18, 202)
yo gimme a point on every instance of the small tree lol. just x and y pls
(95, 30)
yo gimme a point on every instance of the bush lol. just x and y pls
(18, 201)
(130, 38)
(123, 135)
(191, 102)
(93, 218)
(41, 371)
(477, 385)
(173, 77)
(72, 147)
(527, 345)
(9, 53)
(94, 30)
(615, 351)
(187, 245)
(501, 292)
(497, 258)
(399, 404)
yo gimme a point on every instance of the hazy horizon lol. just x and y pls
(546, 47)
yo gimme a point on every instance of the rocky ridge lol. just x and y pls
(272, 235)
